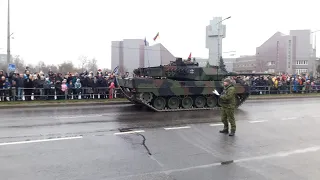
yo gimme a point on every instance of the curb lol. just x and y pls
(288, 97)
(124, 102)
(63, 104)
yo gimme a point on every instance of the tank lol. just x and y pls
(180, 85)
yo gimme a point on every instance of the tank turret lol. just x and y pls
(186, 70)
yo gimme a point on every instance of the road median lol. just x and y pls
(96, 102)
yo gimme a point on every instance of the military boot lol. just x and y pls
(225, 131)
(232, 133)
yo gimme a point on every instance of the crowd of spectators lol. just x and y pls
(282, 84)
(86, 85)
(55, 86)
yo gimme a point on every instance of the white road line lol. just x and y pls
(289, 118)
(315, 116)
(216, 124)
(183, 127)
(258, 121)
(84, 116)
(129, 132)
(40, 140)
(269, 156)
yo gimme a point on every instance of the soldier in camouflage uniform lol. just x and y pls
(228, 103)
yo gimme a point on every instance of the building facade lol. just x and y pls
(215, 32)
(130, 54)
(291, 54)
(245, 64)
(157, 55)
(229, 62)
(3, 59)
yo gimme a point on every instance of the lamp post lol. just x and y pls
(315, 49)
(219, 24)
(315, 40)
(8, 35)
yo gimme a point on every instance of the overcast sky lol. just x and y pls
(57, 30)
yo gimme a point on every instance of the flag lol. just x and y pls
(145, 41)
(189, 56)
(115, 71)
(156, 36)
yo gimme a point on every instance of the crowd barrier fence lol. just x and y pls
(27, 94)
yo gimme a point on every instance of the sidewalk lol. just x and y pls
(92, 102)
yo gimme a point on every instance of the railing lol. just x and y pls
(28, 94)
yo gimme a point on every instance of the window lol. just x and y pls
(271, 63)
(302, 62)
(301, 71)
(271, 70)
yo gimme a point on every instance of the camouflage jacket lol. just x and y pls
(228, 97)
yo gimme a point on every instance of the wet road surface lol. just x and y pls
(275, 139)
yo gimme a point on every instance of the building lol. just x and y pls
(229, 62)
(3, 59)
(130, 54)
(127, 54)
(201, 61)
(157, 55)
(287, 53)
(245, 64)
(215, 32)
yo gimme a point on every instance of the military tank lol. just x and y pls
(180, 85)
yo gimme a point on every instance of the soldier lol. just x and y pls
(228, 103)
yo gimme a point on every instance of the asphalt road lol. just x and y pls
(275, 139)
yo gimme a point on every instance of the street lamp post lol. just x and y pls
(8, 35)
(315, 49)
(219, 35)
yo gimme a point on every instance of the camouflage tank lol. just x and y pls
(179, 86)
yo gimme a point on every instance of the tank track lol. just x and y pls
(137, 101)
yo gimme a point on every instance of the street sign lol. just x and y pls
(11, 67)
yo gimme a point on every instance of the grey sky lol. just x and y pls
(58, 30)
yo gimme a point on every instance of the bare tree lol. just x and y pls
(92, 65)
(83, 62)
(20, 65)
(66, 66)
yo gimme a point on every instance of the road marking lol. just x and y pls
(40, 140)
(225, 163)
(315, 116)
(83, 116)
(216, 124)
(183, 127)
(129, 132)
(258, 121)
(289, 118)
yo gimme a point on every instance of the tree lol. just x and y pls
(207, 65)
(66, 66)
(20, 65)
(222, 66)
(83, 62)
(318, 69)
(92, 65)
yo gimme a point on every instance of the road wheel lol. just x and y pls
(187, 102)
(159, 103)
(200, 102)
(211, 101)
(173, 102)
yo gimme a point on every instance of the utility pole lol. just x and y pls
(219, 25)
(8, 38)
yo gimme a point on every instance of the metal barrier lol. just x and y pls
(27, 94)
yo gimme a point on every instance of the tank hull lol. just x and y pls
(163, 95)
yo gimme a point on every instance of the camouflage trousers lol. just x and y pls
(227, 114)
